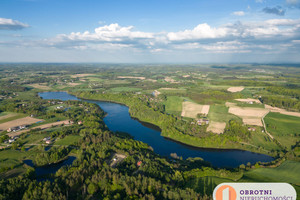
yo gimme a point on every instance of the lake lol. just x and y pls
(118, 119)
(50, 169)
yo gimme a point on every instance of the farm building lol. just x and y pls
(202, 122)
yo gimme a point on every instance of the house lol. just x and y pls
(202, 122)
(251, 129)
(13, 129)
(11, 140)
(46, 138)
(138, 164)
(48, 141)
(80, 122)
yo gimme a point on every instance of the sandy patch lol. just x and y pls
(249, 100)
(235, 89)
(186, 76)
(39, 86)
(133, 77)
(74, 84)
(216, 127)
(44, 126)
(250, 116)
(282, 111)
(190, 109)
(81, 75)
(8, 116)
(19, 122)
(205, 109)
(169, 79)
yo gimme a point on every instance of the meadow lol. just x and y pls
(284, 128)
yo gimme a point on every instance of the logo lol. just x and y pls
(258, 191)
(225, 192)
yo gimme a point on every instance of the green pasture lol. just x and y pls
(173, 105)
(219, 113)
(286, 172)
(125, 89)
(284, 128)
(68, 140)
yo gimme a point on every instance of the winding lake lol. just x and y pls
(118, 119)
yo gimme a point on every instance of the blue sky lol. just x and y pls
(153, 31)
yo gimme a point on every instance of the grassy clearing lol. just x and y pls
(68, 140)
(206, 185)
(124, 89)
(286, 172)
(34, 138)
(173, 105)
(284, 128)
(11, 157)
(254, 105)
(261, 140)
(219, 113)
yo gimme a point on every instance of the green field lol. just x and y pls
(68, 140)
(286, 172)
(284, 128)
(17, 116)
(219, 113)
(33, 138)
(261, 140)
(124, 89)
(11, 157)
(173, 105)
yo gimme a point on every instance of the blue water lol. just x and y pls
(50, 169)
(118, 119)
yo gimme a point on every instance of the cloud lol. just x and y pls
(278, 10)
(241, 37)
(9, 24)
(239, 13)
(202, 31)
(259, 1)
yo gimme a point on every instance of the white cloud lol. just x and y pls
(202, 31)
(261, 37)
(239, 13)
(10, 24)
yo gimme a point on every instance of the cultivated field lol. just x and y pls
(235, 89)
(74, 84)
(44, 126)
(284, 128)
(39, 86)
(170, 80)
(250, 116)
(132, 77)
(282, 111)
(19, 122)
(81, 75)
(249, 100)
(8, 115)
(216, 127)
(190, 109)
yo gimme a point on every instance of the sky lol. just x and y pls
(150, 31)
